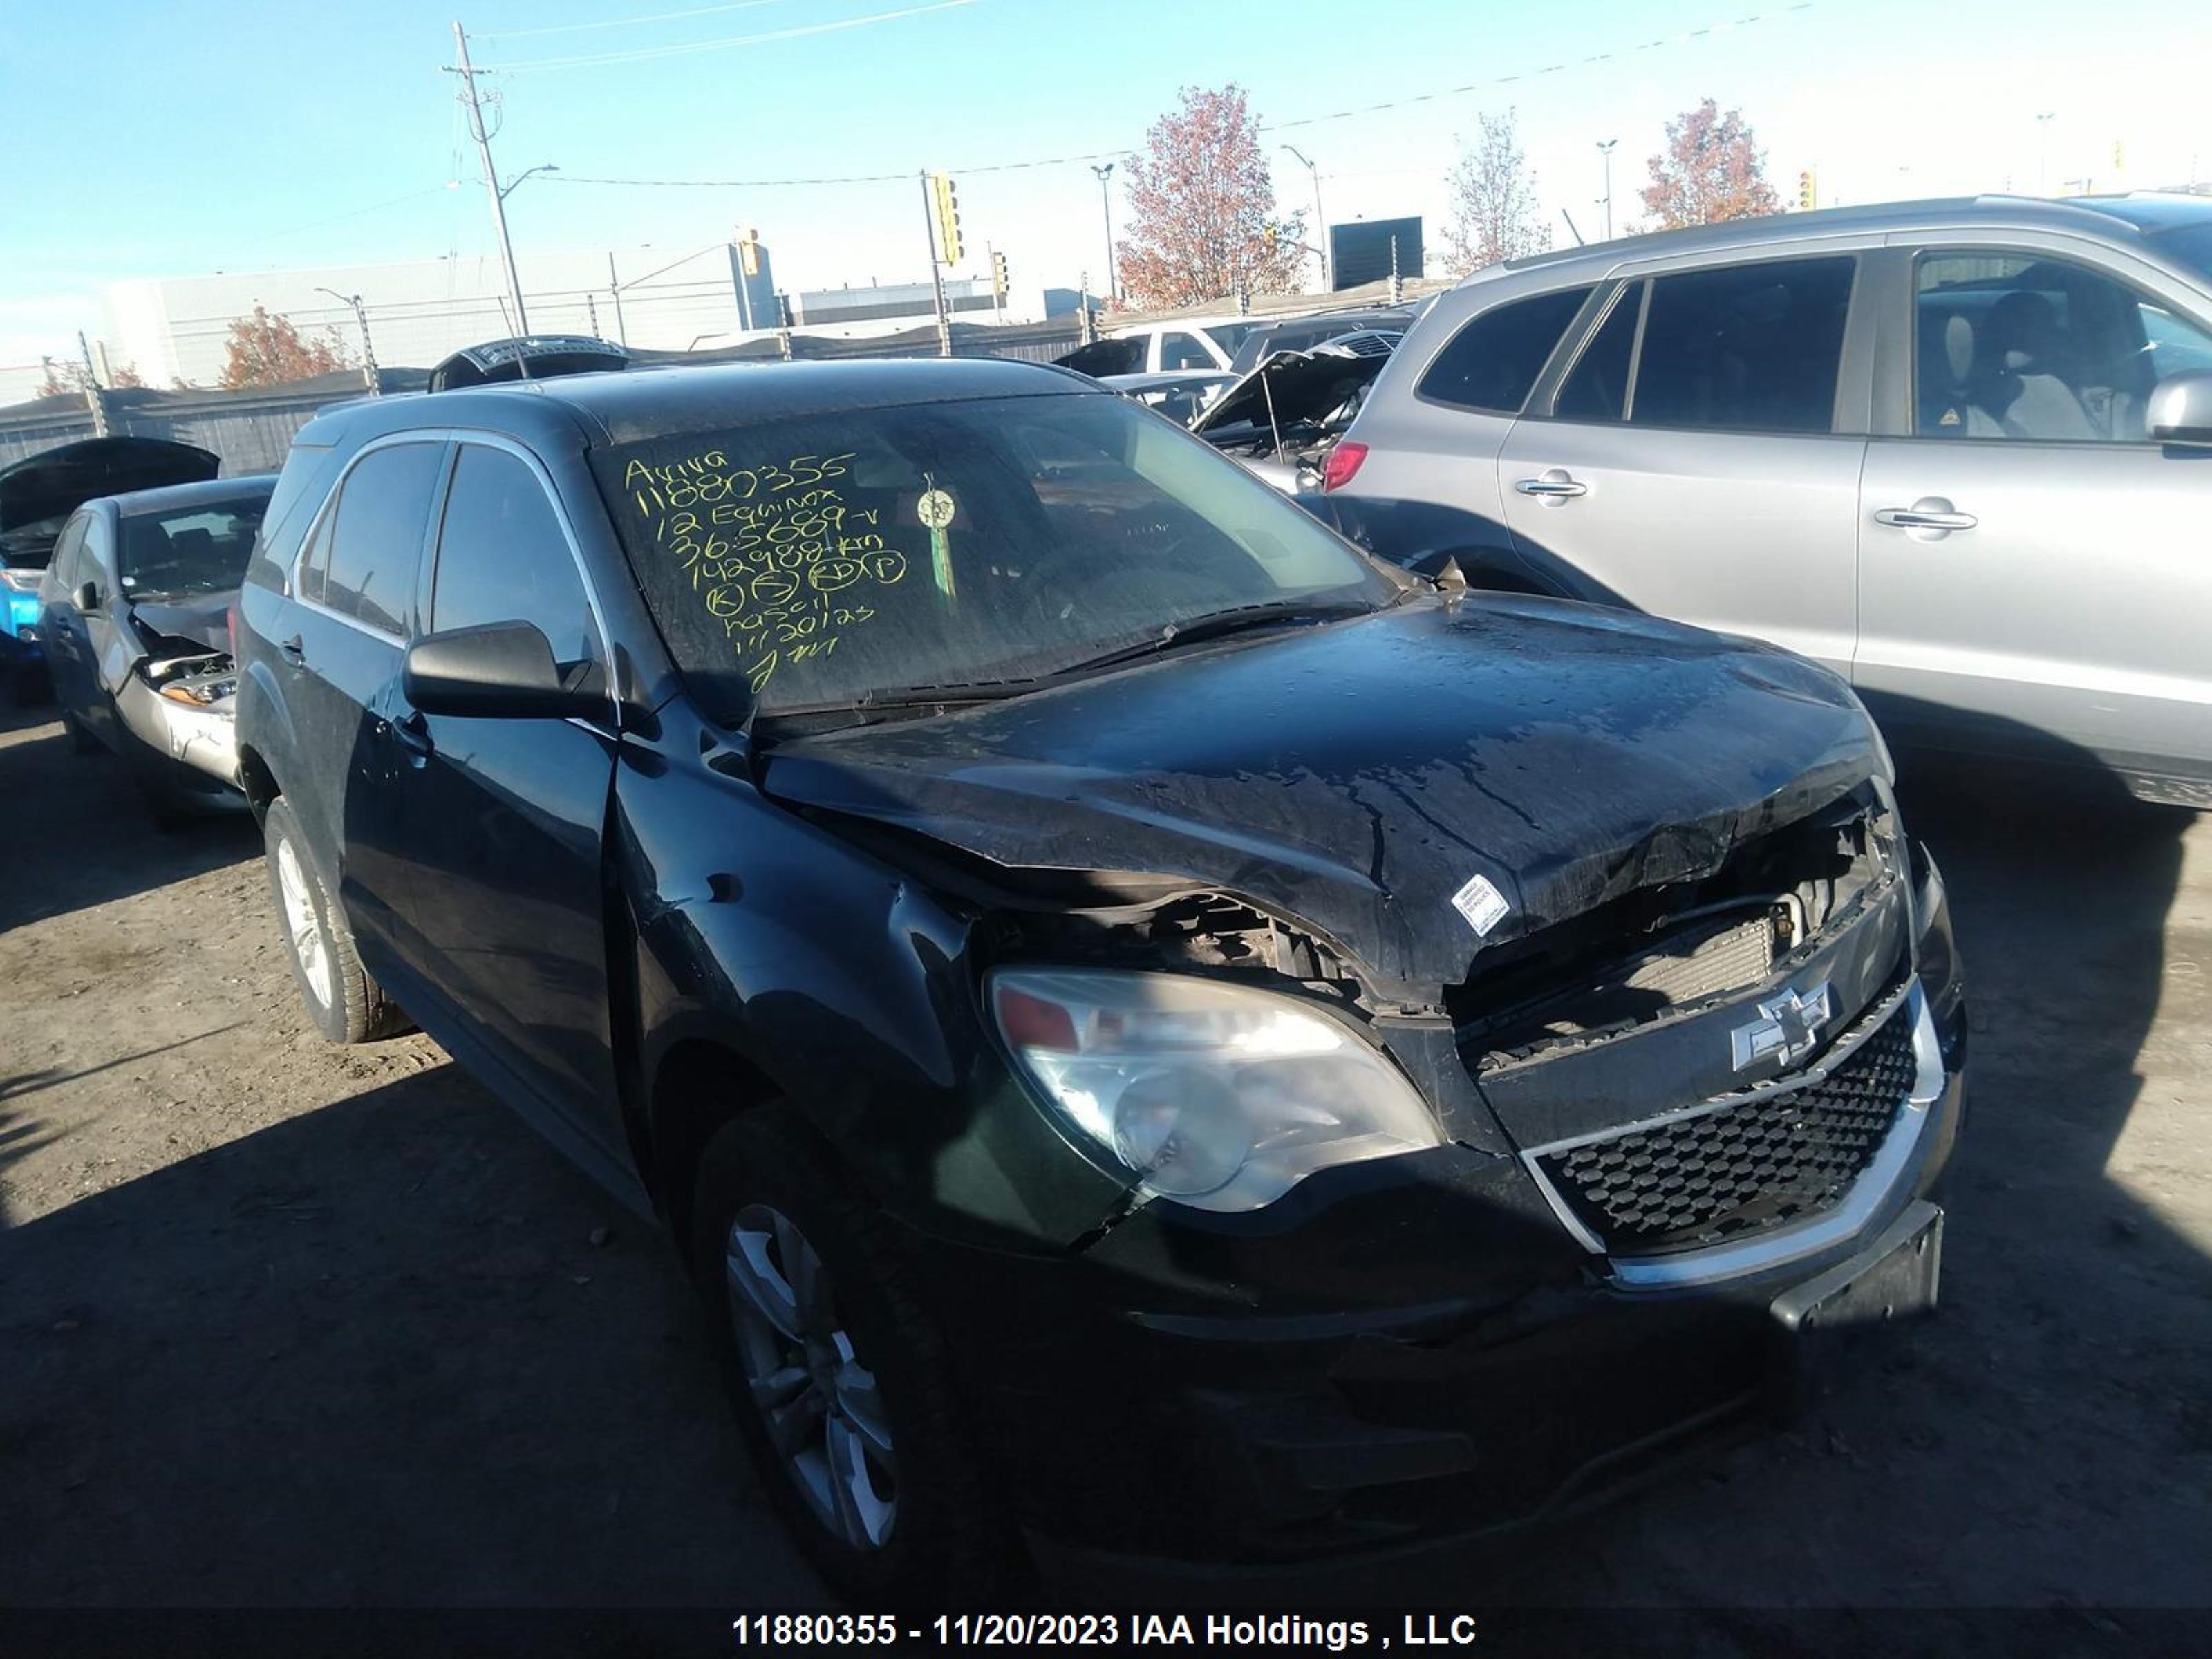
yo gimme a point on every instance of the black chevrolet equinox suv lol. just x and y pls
(1153, 1033)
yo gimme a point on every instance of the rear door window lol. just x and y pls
(1493, 361)
(1754, 348)
(374, 542)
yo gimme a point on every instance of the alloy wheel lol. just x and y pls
(820, 1403)
(300, 926)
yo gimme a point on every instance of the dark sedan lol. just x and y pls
(1151, 1031)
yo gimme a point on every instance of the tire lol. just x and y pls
(345, 1003)
(871, 1348)
(80, 737)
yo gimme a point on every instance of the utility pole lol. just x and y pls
(1605, 148)
(2043, 154)
(367, 350)
(936, 272)
(998, 299)
(1106, 205)
(93, 400)
(614, 289)
(521, 323)
(1321, 219)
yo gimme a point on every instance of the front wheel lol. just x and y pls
(843, 1387)
(346, 1005)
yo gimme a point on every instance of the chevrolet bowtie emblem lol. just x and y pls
(1788, 1028)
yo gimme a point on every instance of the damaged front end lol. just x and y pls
(1282, 421)
(179, 699)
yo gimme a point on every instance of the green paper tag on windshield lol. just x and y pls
(935, 510)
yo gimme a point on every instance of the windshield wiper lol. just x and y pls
(1219, 624)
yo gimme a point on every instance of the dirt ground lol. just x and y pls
(285, 1324)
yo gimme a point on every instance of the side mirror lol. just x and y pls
(87, 597)
(2181, 408)
(499, 670)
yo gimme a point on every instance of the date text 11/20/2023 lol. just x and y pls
(1251, 1632)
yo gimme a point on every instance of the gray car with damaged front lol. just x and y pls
(135, 611)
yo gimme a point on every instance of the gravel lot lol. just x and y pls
(285, 1324)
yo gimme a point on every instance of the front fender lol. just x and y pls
(853, 990)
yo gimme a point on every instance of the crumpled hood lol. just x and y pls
(204, 617)
(1355, 777)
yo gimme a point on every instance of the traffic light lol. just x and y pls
(998, 275)
(947, 201)
(1808, 192)
(1272, 235)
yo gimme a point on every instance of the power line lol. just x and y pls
(623, 22)
(339, 218)
(1683, 37)
(644, 54)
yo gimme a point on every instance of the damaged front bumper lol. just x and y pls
(184, 719)
(1405, 1353)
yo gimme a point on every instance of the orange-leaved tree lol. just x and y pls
(268, 351)
(1711, 169)
(1202, 221)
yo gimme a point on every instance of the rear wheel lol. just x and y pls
(346, 1005)
(80, 737)
(842, 1385)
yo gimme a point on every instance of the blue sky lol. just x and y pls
(201, 136)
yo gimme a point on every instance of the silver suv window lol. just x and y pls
(1749, 348)
(2015, 346)
(1493, 363)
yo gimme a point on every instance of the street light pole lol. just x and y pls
(367, 350)
(2043, 160)
(1106, 205)
(1605, 148)
(1321, 219)
(491, 177)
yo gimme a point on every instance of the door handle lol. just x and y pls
(1930, 516)
(295, 650)
(1552, 487)
(413, 733)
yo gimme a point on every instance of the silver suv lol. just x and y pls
(1960, 452)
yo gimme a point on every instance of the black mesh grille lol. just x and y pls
(1744, 1168)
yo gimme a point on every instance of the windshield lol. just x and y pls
(201, 548)
(820, 561)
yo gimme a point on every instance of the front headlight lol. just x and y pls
(1218, 1096)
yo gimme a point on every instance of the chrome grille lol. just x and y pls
(1743, 1168)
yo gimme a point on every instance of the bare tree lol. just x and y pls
(1201, 201)
(1493, 201)
(1711, 169)
(268, 351)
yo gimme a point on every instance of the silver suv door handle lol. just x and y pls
(1557, 484)
(1932, 512)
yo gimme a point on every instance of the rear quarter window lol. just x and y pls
(1493, 363)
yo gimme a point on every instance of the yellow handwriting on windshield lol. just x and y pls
(782, 561)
